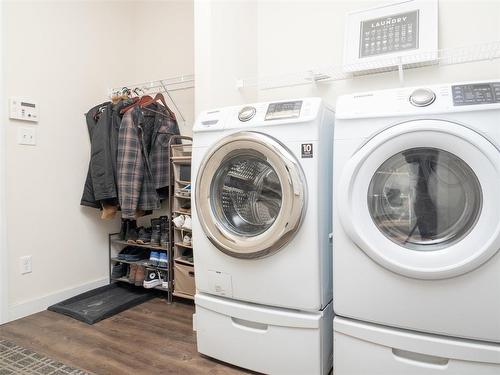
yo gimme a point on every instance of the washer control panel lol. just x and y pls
(283, 110)
(422, 97)
(476, 93)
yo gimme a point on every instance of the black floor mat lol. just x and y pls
(101, 303)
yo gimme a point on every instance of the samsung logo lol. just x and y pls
(362, 96)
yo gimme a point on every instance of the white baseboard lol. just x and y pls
(22, 309)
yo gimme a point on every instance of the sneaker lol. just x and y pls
(164, 279)
(163, 260)
(133, 254)
(188, 224)
(178, 221)
(187, 240)
(119, 270)
(131, 273)
(185, 192)
(144, 236)
(155, 232)
(154, 258)
(151, 279)
(140, 275)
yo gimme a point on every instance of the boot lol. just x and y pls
(139, 276)
(123, 229)
(131, 273)
(131, 235)
(164, 231)
(155, 232)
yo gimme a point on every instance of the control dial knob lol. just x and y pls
(246, 113)
(422, 97)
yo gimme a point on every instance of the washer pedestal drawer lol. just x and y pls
(369, 349)
(264, 339)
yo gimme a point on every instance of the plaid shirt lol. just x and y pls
(143, 164)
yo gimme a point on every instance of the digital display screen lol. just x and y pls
(283, 110)
(24, 104)
(480, 93)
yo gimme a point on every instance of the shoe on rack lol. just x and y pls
(188, 224)
(178, 221)
(155, 232)
(164, 228)
(186, 207)
(119, 270)
(123, 229)
(131, 273)
(163, 260)
(154, 258)
(131, 235)
(133, 254)
(140, 275)
(151, 279)
(164, 279)
(144, 236)
(186, 240)
(185, 192)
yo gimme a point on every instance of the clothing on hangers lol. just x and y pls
(143, 164)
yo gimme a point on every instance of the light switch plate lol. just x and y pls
(26, 136)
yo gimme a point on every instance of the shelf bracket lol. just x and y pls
(401, 72)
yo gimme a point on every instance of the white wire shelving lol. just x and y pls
(167, 86)
(442, 57)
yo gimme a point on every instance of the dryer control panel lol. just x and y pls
(478, 93)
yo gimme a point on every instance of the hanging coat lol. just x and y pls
(143, 158)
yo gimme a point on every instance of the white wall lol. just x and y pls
(225, 50)
(3, 242)
(295, 36)
(65, 55)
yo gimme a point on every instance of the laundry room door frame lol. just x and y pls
(3, 230)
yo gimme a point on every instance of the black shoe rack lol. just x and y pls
(116, 243)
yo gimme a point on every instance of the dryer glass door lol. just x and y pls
(250, 195)
(421, 199)
(424, 198)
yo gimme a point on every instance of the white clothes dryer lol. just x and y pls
(417, 209)
(262, 192)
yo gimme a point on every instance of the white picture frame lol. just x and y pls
(402, 32)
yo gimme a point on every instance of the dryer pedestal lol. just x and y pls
(265, 339)
(370, 349)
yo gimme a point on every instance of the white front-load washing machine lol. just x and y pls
(417, 209)
(261, 234)
(261, 218)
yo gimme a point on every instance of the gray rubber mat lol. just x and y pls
(104, 302)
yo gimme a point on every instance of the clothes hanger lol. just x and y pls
(158, 97)
(137, 101)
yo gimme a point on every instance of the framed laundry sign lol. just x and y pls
(405, 32)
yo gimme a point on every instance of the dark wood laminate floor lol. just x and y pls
(152, 338)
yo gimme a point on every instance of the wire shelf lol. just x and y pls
(182, 82)
(442, 57)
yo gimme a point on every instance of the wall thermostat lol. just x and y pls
(23, 109)
(404, 32)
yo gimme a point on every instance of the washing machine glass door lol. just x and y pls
(250, 195)
(421, 199)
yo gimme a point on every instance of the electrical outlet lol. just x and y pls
(25, 264)
(26, 136)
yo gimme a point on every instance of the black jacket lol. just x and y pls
(103, 123)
